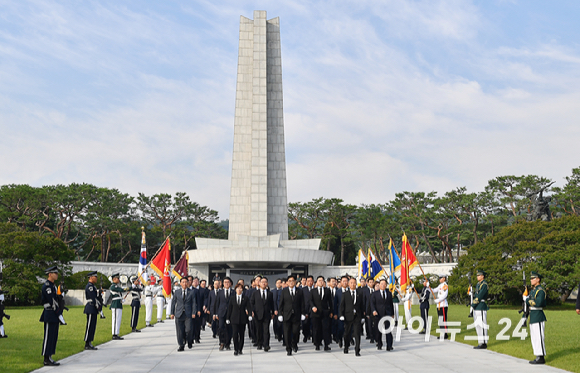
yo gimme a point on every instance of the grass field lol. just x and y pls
(21, 351)
(562, 333)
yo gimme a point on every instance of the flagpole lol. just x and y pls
(421, 268)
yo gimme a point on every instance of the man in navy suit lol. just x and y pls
(352, 313)
(321, 308)
(220, 311)
(381, 306)
(262, 306)
(183, 311)
(277, 325)
(337, 299)
(290, 313)
(210, 301)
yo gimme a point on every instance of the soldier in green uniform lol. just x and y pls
(116, 305)
(537, 301)
(480, 310)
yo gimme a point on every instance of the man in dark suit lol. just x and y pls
(306, 324)
(332, 283)
(262, 305)
(321, 308)
(220, 310)
(424, 304)
(291, 313)
(352, 313)
(337, 299)
(209, 307)
(198, 294)
(254, 286)
(183, 311)
(381, 306)
(367, 290)
(237, 317)
(204, 295)
(277, 325)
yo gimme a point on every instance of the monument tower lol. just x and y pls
(258, 224)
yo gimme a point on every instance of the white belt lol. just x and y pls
(536, 308)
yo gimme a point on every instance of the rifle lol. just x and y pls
(525, 309)
(470, 292)
(100, 301)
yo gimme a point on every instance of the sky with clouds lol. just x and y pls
(379, 96)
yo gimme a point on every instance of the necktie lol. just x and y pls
(353, 297)
(239, 300)
(227, 294)
(292, 292)
(263, 295)
(384, 297)
(333, 293)
(320, 292)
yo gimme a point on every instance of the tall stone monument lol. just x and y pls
(258, 222)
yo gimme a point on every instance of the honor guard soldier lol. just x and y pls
(149, 293)
(2, 315)
(160, 300)
(395, 293)
(407, 304)
(424, 304)
(442, 305)
(116, 306)
(480, 310)
(136, 290)
(91, 310)
(50, 316)
(537, 301)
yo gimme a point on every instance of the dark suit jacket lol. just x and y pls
(366, 292)
(348, 307)
(337, 299)
(211, 301)
(578, 299)
(306, 293)
(291, 309)
(238, 314)
(181, 306)
(197, 294)
(221, 303)
(324, 306)
(276, 295)
(262, 308)
(383, 307)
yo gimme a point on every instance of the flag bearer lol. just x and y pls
(442, 305)
(116, 306)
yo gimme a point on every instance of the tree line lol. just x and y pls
(439, 225)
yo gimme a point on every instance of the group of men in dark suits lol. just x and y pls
(321, 311)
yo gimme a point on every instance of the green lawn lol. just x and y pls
(562, 333)
(21, 351)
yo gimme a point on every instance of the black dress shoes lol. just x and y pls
(136, 331)
(390, 348)
(180, 349)
(346, 350)
(295, 348)
(221, 346)
(317, 348)
(89, 346)
(190, 346)
(49, 362)
(117, 338)
(235, 353)
(326, 348)
(480, 347)
(357, 353)
(266, 349)
(538, 360)
(289, 353)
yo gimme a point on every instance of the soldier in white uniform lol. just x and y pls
(149, 294)
(441, 292)
(160, 298)
(407, 304)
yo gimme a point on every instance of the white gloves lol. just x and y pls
(302, 317)
(250, 318)
(228, 322)
(280, 318)
(341, 318)
(362, 321)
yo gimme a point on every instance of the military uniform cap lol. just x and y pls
(535, 274)
(133, 278)
(444, 276)
(92, 274)
(53, 269)
(115, 275)
(481, 272)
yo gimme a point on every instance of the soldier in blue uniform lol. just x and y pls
(136, 290)
(50, 316)
(91, 310)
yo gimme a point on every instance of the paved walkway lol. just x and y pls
(155, 350)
